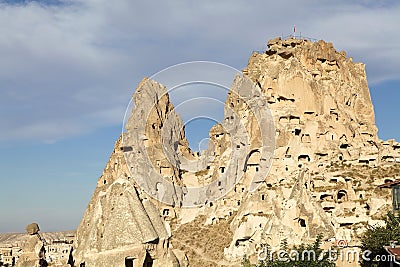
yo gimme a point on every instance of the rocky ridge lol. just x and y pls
(327, 163)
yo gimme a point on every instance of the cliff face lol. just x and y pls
(327, 159)
(296, 155)
(121, 225)
(319, 89)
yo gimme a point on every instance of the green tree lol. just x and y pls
(310, 255)
(376, 237)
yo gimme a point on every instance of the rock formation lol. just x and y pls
(121, 227)
(325, 136)
(32, 229)
(33, 249)
(296, 155)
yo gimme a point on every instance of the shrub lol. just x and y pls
(376, 237)
(304, 260)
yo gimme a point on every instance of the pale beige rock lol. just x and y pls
(323, 176)
(33, 250)
(32, 228)
(323, 117)
(121, 225)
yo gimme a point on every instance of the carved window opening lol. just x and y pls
(328, 209)
(302, 222)
(303, 158)
(344, 146)
(129, 262)
(342, 195)
(252, 159)
(148, 261)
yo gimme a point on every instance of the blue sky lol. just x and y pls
(68, 70)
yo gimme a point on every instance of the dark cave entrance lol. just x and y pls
(129, 262)
(148, 261)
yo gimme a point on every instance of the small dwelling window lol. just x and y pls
(166, 212)
(342, 195)
(302, 222)
(129, 262)
(222, 169)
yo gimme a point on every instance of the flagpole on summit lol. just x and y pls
(294, 31)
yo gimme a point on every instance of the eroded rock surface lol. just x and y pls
(33, 250)
(327, 163)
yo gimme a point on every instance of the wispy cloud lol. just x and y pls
(71, 68)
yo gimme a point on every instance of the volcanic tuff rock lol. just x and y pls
(32, 228)
(121, 226)
(33, 249)
(326, 166)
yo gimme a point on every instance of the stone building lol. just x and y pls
(8, 255)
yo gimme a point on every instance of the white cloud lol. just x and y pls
(68, 69)
(367, 34)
